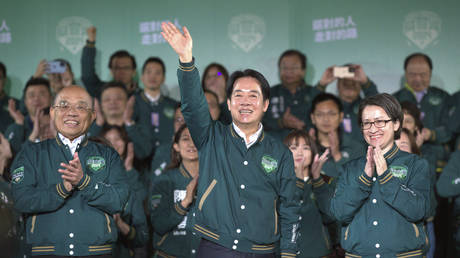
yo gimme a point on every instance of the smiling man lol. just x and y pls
(246, 199)
(69, 187)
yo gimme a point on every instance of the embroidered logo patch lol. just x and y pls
(18, 175)
(168, 112)
(269, 164)
(95, 163)
(399, 171)
(434, 101)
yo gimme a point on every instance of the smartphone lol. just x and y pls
(344, 72)
(55, 67)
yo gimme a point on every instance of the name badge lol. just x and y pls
(347, 125)
(155, 119)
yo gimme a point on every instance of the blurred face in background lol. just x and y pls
(214, 81)
(123, 70)
(113, 102)
(153, 76)
(418, 74)
(37, 97)
(114, 137)
(404, 143)
(301, 152)
(291, 71)
(348, 90)
(327, 117)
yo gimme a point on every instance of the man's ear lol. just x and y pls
(266, 104)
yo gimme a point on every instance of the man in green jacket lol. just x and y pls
(68, 187)
(246, 194)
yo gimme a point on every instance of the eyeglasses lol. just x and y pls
(65, 106)
(377, 123)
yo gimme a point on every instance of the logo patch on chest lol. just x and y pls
(399, 171)
(95, 163)
(168, 112)
(269, 164)
(18, 175)
(434, 100)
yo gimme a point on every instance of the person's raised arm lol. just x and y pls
(194, 106)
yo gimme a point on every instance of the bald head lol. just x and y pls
(74, 89)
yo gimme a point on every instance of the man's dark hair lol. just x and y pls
(219, 67)
(114, 84)
(418, 54)
(121, 54)
(154, 59)
(325, 97)
(264, 86)
(3, 69)
(293, 52)
(389, 104)
(37, 81)
(412, 109)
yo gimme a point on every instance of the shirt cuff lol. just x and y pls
(180, 209)
(84, 182)
(385, 177)
(187, 67)
(62, 191)
(318, 182)
(364, 179)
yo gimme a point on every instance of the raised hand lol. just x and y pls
(370, 165)
(129, 156)
(5, 149)
(181, 43)
(91, 32)
(36, 129)
(41, 69)
(334, 145)
(129, 111)
(318, 163)
(380, 162)
(191, 190)
(327, 77)
(291, 121)
(17, 116)
(72, 172)
(360, 76)
(99, 116)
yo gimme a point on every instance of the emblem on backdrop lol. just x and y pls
(71, 33)
(422, 28)
(246, 31)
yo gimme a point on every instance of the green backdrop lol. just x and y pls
(239, 34)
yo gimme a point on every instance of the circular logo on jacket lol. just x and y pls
(18, 175)
(169, 112)
(269, 164)
(434, 100)
(71, 33)
(95, 163)
(246, 31)
(422, 28)
(399, 171)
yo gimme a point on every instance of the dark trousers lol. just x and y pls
(92, 256)
(208, 249)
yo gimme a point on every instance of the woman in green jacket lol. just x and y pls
(314, 240)
(172, 196)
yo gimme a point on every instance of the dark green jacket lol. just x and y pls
(18, 134)
(384, 214)
(169, 218)
(314, 240)
(281, 99)
(133, 214)
(65, 223)
(454, 118)
(434, 107)
(246, 198)
(448, 186)
(158, 117)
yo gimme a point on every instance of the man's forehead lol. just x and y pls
(73, 95)
(37, 87)
(247, 84)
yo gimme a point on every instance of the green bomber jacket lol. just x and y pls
(246, 197)
(65, 223)
(384, 215)
(169, 218)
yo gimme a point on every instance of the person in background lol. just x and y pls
(4, 99)
(131, 222)
(122, 67)
(37, 97)
(349, 90)
(173, 193)
(115, 108)
(290, 101)
(383, 192)
(214, 79)
(57, 80)
(314, 240)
